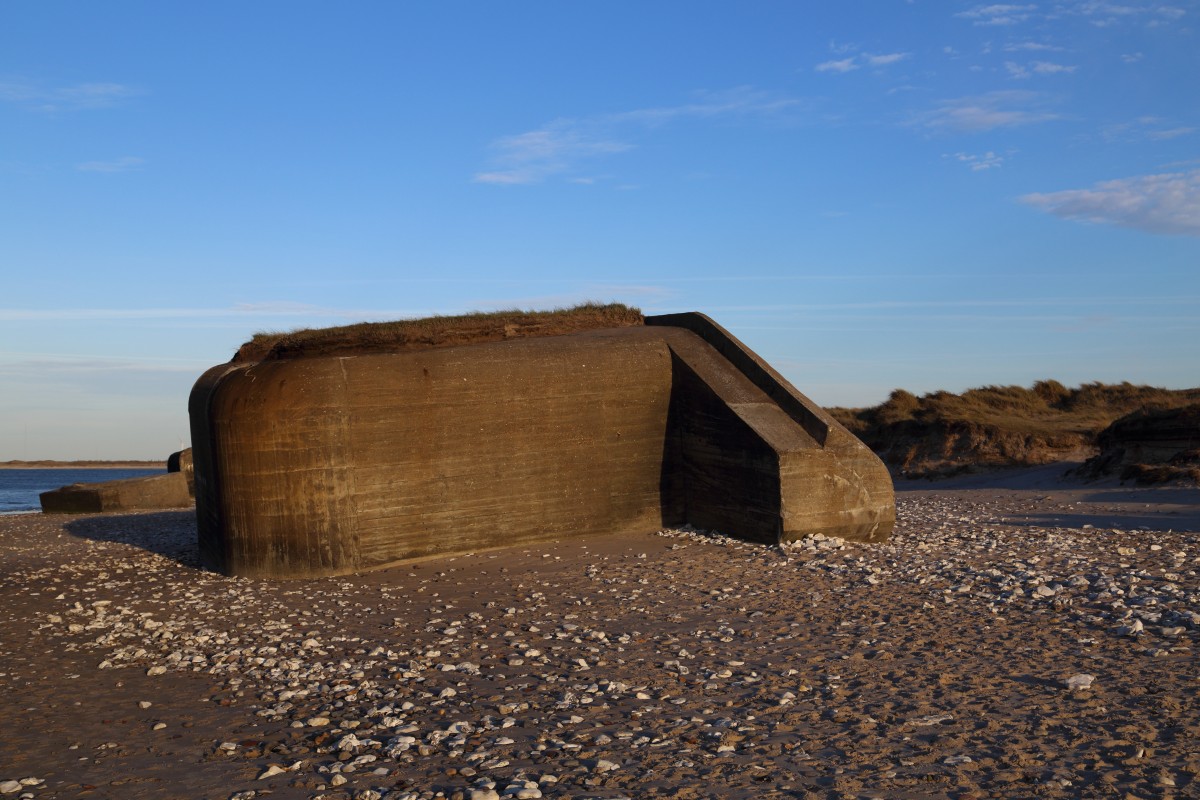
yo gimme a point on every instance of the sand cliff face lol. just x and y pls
(947, 447)
(942, 434)
(1150, 446)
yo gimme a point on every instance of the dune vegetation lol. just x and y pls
(943, 433)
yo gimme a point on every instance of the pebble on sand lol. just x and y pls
(1080, 681)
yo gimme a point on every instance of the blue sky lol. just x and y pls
(928, 195)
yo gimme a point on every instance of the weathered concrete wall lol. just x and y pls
(169, 490)
(335, 464)
(181, 461)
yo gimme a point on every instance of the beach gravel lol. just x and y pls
(1006, 642)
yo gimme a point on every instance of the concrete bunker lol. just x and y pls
(345, 461)
(171, 490)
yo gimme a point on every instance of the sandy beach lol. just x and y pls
(1018, 636)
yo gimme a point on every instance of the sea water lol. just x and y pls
(19, 488)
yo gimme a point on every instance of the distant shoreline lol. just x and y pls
(83, 465)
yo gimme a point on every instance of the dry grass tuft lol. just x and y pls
(423, 334)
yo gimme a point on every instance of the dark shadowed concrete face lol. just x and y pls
(330, 465)
(181, 461)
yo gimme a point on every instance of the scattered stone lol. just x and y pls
(711, 661)
(1080, 681)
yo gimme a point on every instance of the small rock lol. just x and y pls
(348, 742)
(1133, 629)
(1079, 681)
(8, 787)
(271, 772)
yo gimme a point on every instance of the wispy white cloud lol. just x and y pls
(1145, 128)
(1105, 14)
(885, 59)
(979, 163)
(998, 14)
(14, 364)
(532, 156)
(123, 164)
(82, 96)
(840, 65)
(1169, 133)
(1051, 68)
(741, 102)
(1037, 68)
(267, 309)
(856, 60)
(954, 305)
(1037, 47)
(561, 146)
(1001, 109)
(1167, 203)
(1100, 13)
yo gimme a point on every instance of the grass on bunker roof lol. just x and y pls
(437, 331)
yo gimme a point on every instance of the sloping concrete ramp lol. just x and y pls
(328, 465)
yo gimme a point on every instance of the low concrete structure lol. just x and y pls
(181, 461)
(333, 464)
(169, 490)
